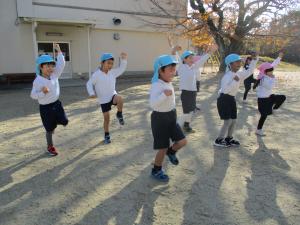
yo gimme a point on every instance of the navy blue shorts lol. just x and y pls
(165, 127)
(106, 107)
(226, 105)
(53, 114)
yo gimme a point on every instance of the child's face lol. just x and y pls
(168, 73)
(189, 60)
(47, 69)
(269, 73)
(107, 65)
(248, 61)
(235, 66)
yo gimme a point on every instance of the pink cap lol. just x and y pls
(262, 68)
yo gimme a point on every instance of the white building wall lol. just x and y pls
(141, 43)
(16, 44)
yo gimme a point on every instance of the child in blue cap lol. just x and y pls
(102, 84)
(163, 118)
(226, 102)
(188, 70)
(46, 90)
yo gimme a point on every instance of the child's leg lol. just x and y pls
(106, 122)
(49, 139)
(231, 128)
(224, 129)
(247, 89)
(261, 122)
(179, 144)
(159, 158)
(118, 100)
(256, 83)
(278, 101)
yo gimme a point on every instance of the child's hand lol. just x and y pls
(280, 54)
(177, 48)
(123, 55)
(168, 92)
(236, 78)
(93, 96)
(255, 55)
(213, 48)
(56, 47)
(45, 90)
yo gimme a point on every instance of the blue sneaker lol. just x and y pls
(120, 119)
(160, 175)
(173, 159)
(107, 139)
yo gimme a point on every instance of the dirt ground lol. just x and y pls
(94, 184)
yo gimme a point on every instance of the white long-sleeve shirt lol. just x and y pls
(266, 84)
(229, 85)
(188, 74)
(158, 100)
(104, 84)
(52, 84)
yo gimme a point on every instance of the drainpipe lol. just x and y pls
(35, 47)
(89, 50)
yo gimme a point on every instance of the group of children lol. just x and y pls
(168, 135)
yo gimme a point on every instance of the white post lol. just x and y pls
(89, 50)
(33, 30)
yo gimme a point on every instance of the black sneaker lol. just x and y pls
(197, 109)
(173, 159)
(220, 142)
(187, 128)
(120, 119)
(232, 142)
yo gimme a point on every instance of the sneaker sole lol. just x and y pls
(160, 180)
(222, 146)
(52, 154)
(261, 135)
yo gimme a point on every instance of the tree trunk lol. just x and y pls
(234, 47)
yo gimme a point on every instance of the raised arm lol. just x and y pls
(277, 60)
(60, 63)
(175, 54)
(123, 65)
(246, 73)
(205, 57)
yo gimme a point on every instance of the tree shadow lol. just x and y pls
(205, 192)
(6, 174)
(267, 167)
(133, 204)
